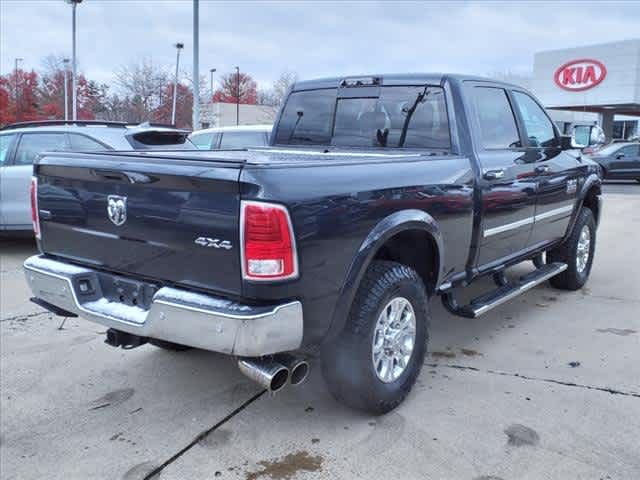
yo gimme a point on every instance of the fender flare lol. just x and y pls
(389, 226)
(593, 180)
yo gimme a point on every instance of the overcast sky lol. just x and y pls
(312, 38)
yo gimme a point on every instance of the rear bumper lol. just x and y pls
(175, 315)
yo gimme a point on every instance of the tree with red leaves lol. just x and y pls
(19, 90)
(184, 106)
(229, 92)
(90, 98)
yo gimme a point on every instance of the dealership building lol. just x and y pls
(594, 84)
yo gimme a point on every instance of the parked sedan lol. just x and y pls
(228, 138)
(21, 143)
(619, 161)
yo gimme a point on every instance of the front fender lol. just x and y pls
(385, 229)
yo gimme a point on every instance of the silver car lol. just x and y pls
(21, 143)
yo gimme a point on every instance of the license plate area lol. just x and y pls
(126, 291)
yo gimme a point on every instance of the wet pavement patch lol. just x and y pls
(617, 331)
(519, 435)
(443, 355)
(470, 353)
(140, 471)
(287, 467)
(216, 439)
(112, 398)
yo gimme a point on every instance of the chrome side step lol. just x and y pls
(491, 300)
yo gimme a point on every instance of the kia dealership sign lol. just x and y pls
(579, 75)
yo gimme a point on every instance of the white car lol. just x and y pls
(228, 138)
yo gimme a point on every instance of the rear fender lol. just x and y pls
(388, 227)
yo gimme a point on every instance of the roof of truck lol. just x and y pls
(395, 79)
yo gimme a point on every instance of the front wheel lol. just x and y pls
(375, 361)
(577, 252)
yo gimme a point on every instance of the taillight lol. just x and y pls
(268, 245)
(35, 216)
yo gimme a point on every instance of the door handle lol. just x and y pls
(543, 169)
(494, 174)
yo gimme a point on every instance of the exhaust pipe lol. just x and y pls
(271, 374)
(298, 367)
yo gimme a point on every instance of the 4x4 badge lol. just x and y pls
(213, 243)
(117, 209)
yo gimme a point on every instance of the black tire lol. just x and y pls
(173, 347)
(572, 278)
(347, 364)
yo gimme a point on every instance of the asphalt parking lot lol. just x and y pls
(546, 387)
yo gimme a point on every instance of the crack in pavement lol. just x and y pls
(612, 391)
(156, 471)
(23, 317)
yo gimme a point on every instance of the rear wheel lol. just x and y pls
(375, 361)
(577, 252)
(163, 344)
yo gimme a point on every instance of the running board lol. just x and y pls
(491, 300)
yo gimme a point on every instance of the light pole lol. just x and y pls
(17, 93)
(74, 62)
(65, 62)
(195, 120)
(212, 71)
(237, 95)
(179, 46)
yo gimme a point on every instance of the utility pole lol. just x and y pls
(65, 62)
(17, 90)
(179, 46)
(237, 95)
(195, 122)
(74, 61)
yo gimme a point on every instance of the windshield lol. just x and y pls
(400, 117)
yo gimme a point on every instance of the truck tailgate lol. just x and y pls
(172, 221)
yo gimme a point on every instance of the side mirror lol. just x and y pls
(583, 136)
(619, 156)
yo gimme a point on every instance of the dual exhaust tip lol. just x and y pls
(274, 373)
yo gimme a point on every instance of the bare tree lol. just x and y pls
(275, 95)
(144, 84)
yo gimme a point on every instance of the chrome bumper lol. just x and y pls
(175, 315)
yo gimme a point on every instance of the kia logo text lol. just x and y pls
(579, 75)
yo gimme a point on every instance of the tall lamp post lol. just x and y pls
(74, 63)
(17, 92)
(237, 95)
(179, 46)
(212, 71)
(195, 119)
(65, 62)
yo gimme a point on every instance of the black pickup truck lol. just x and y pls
(376, 194)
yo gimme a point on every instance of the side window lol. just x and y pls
(629, 151)
(202, 140)
(84, 144)
(242, 139)
(536, 123)
(5, 146)
(497, 123)
(31, 144)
